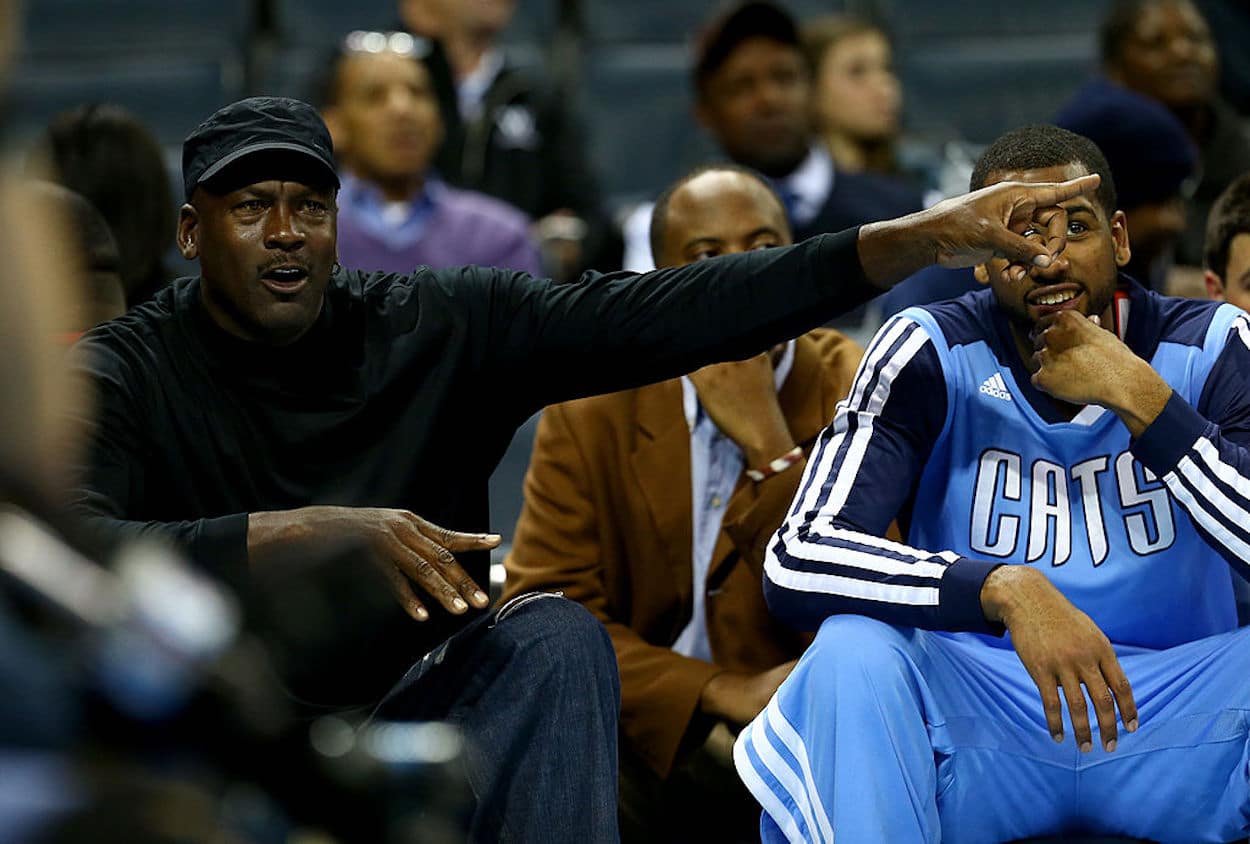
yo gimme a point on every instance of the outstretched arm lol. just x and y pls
(549, 343)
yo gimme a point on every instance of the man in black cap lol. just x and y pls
(278, 403)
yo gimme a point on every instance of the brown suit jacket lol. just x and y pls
(607, 520)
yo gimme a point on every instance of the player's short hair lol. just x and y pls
(659, 214)
(1042, 145)
(1230, 216)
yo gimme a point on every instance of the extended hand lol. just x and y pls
(741, 399)
(409, 549)
(737, 698)
(968, 230)
(1061, 648)
(1082, 363)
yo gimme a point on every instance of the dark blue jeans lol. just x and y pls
(533, 687)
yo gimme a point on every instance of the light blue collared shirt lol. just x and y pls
(716, 463)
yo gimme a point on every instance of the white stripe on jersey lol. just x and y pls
(820, 465)
(919, 564)
(1204, 519)
(863, 434)
(848, 587)
(882, 369)
(1211, 457)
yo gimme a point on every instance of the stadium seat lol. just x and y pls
(120, 27)
(977, 91)
(643, 131)
(171, 93)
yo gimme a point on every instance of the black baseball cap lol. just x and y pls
(269, 132)
(746, 20)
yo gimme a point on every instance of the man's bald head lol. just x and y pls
(716, 210)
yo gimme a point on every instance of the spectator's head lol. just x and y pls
(1161, 48)
(98, 295)
(1227, 249)
(752, 87)
(857, 97)
(109, 157)
(1084, 275)
(716, 210)
(1151, 157)
(260, 217)
(382, 110)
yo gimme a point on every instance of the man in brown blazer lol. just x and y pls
(652, 506)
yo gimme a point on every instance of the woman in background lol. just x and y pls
(857, 99)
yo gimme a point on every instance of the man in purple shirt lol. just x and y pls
(394, 212)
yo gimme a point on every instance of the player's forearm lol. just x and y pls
(1137, 394)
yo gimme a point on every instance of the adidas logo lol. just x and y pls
(995, 386)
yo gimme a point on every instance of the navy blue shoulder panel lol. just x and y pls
(1155, 319)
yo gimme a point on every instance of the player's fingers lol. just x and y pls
(1078, 711)
(1052, 707)
(1122, 690)
(1104, 706)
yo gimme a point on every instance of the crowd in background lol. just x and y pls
(537, 137)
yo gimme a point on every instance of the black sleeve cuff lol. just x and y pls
(1165, 441)
(959, 605)
(220, 546)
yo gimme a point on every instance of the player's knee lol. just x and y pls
(854, 646)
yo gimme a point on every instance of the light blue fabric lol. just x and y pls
(906, 735)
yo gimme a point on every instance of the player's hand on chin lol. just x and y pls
(1077, 360)
(1061, 648)
(1080, 362)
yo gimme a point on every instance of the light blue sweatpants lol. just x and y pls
(883, 734)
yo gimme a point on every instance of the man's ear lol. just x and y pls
(189, 232)
(981, 273)
(1214, 285)
(1119, 233)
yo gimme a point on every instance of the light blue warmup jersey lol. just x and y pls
(1004, 484)
(899, 723)
(944, 431)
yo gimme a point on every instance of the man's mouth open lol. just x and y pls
(285, 281)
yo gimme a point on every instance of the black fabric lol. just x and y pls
(404, 394)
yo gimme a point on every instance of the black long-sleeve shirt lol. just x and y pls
(407, 390)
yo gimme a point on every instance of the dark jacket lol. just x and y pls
(405, 393)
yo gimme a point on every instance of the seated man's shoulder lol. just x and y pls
(1186, 321)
